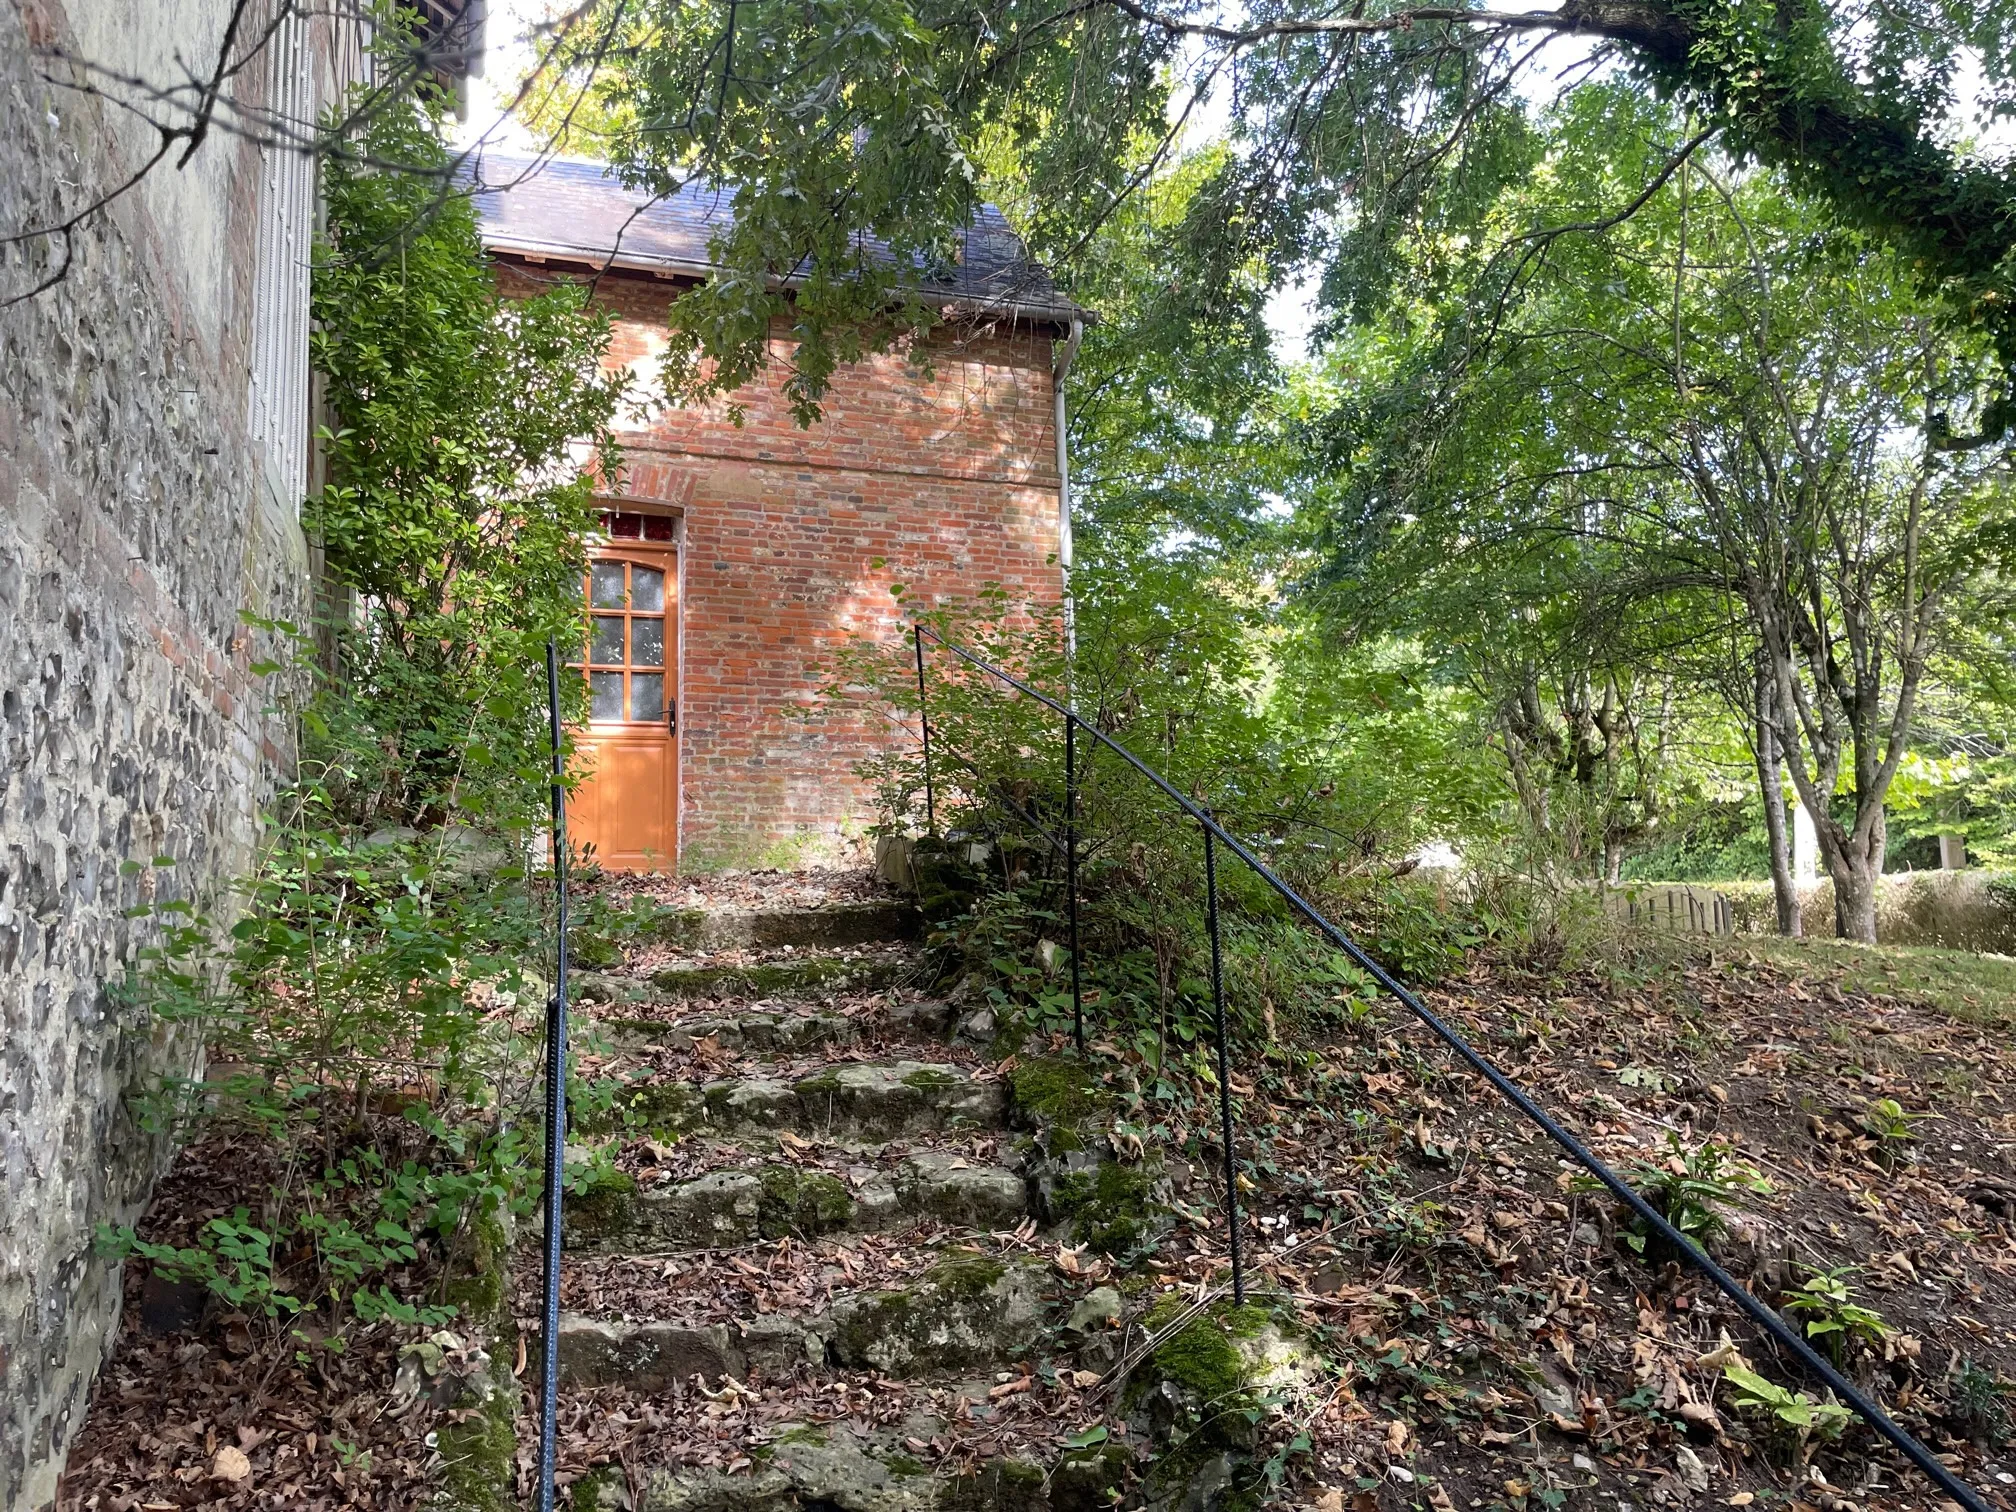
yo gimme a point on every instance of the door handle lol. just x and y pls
(671, 716)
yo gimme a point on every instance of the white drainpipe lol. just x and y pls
(1058, 375)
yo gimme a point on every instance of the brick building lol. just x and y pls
(754, 549)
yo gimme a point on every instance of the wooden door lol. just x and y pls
(626, 806)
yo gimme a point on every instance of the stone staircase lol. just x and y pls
(791, 1176)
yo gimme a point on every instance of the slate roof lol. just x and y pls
(565, 208)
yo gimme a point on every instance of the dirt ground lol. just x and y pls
(1493, 1341)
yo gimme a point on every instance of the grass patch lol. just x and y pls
(1979, 989)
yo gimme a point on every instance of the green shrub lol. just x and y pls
(371, 1011)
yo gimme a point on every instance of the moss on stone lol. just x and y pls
(775, 979)
(1089, 1480)
(592, 949)
(823, 1084)
(966, 1273)
(677, 926)
(476, 1283)
(479, 1459)
(1204, 1363)
(929, 1078)
(803, 1203)
(661, 1108)
(803, 1433)
(1054, 1091)
(903, 1464)
(1112, 1208)
(479, 1452)
(598, 1488)
(885, 1315)
(1002, 1485)
(606, 1206)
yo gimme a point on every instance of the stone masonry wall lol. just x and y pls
(939, 475)
(132, 732)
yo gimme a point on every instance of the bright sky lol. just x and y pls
(507, 51)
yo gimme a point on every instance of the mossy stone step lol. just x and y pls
(809, 1467)
(871, 1101)
(802, 976)
(970, 1312)
(772, 1031)
(741, 1207)
(758, 1031)
(829, 925)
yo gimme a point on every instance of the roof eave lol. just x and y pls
(1034, 311)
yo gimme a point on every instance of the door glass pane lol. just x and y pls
(605, 695)
(647, 643)
(647, 695)
(605, 585)
(607, 646)
(647, 589)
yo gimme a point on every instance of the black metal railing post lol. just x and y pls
(556, 1106)
(1224, 1068)
(1071, 873)
(924, 725)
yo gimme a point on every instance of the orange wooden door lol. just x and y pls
(626, 806)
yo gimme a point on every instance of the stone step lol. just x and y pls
(830, 925)
(810, 1467)
(756, 1031)
(740, 1207)
(868, 1100)
(968, 1313)
(775, 1030)
(798, 976)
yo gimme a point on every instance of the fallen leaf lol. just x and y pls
(1396, 1437)
(230, 1464)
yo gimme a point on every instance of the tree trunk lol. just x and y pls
(1855, 899)
(1784, 890)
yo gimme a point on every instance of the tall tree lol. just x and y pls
(1735, 402)
(855, 135)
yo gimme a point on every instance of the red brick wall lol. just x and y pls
(946, 478)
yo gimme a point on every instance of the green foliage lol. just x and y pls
(1981, 1402)
(1892, 1128)
(454, 513)
(842, 130)
(1793, 1415)
(368, 1012)
(1692, 1190)
(1615, 470)
(1825, 1303)
(361, 1019)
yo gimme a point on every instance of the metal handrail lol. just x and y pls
(1214, 834)
(556, 1110)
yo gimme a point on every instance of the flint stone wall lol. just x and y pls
(135, 529)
